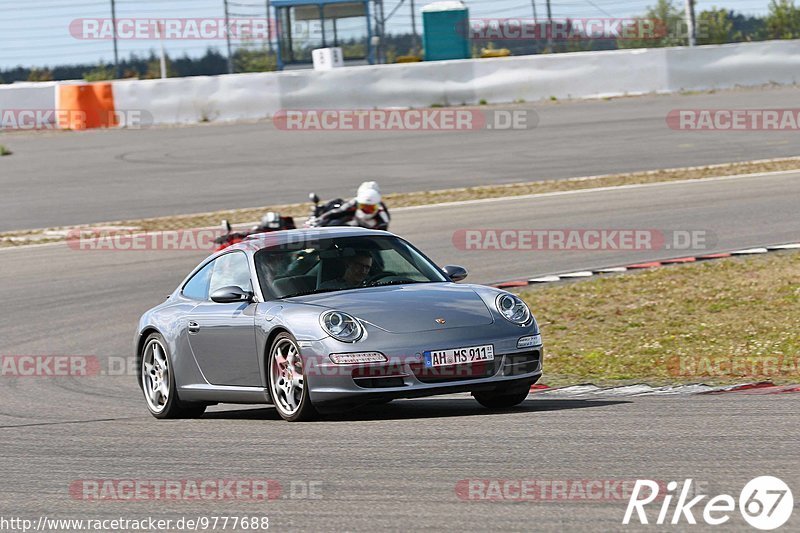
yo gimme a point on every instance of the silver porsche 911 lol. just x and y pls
(319, 320)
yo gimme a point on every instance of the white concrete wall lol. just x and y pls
(530, 78)
(731, 65)
(200, 98)
(577, 75)
(27, 96)
(369, 86)
(573, 75)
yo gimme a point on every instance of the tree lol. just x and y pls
(255, 60)
(669, 27)
(747, 28)
(783, 21)
(154, 68)
(40, 75)
(714, 26)
(101, 73)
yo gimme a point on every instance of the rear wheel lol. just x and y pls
(158, 383)
(501, 399)
(287, 380)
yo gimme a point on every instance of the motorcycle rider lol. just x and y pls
(366, 210)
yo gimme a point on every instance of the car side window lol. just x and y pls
(197, 287)
(231, 269)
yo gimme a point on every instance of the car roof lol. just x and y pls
(260, 241)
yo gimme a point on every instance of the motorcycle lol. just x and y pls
(317, 210)
(270, 222)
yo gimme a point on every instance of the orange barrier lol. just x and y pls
(87, 106)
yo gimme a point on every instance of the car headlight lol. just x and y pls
(342, 326)
(513, 309)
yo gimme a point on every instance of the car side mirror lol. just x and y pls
(455, 272)
(232, 294)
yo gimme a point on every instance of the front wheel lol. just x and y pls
(287, 381)
(501, 399)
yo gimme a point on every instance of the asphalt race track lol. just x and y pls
(58, 178)
(397, 466)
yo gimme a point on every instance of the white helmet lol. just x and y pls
(369, 185)
(368, 197)
(369, 201)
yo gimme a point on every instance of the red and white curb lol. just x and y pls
(593, 391)
(641, 266)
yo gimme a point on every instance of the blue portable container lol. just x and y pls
(446, 31)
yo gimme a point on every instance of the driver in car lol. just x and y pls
(356, 272)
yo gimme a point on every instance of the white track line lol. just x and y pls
(678, 389)
(545, 279)
(795, 246)
(750, 251)
(527, 196)
(572, 275)
(612, 270)
(597, 189)
(552, 278)
(642, 389)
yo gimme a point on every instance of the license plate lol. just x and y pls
(459, 356)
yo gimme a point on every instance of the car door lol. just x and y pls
(222, 335)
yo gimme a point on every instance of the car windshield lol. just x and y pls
(342, 263)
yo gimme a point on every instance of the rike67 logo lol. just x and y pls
(765, 503)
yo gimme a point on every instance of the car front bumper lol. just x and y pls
(404, 375)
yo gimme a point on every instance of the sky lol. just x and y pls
(36, 33)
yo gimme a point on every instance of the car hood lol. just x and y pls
(409, 308)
